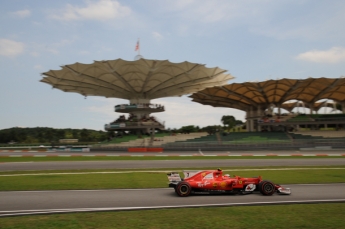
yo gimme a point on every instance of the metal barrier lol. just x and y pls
(294, 144)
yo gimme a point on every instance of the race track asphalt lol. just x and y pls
(34, 202)
(41, 202)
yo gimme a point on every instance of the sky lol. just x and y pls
(254, 40)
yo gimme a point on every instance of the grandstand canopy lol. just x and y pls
(248, 95)
(138, 81)
(289, 106)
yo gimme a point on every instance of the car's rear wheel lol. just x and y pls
(267, 188)
(183, 189)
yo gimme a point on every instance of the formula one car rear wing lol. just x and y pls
(174, 177)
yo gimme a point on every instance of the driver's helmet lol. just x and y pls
(227, 175)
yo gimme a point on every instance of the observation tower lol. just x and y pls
(137, 81)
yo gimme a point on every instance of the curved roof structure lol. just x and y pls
(140, 79)
(260, 95)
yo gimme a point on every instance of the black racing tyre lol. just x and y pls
(267, 188)
(183, 189)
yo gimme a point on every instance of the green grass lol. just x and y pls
(271, 216)
(150, 158)
(275, 216)
(54, 180)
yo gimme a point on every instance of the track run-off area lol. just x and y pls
(15, 203)
(47, 202)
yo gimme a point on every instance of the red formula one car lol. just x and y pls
(213, 181)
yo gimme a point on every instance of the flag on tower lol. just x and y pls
(137, 46)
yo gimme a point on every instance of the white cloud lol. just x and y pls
(333, 55)
(181, 4)
(38, 67)
(22, 13)
(84, 53)
(219, 11)
(10, 48)
(35, 54)
(101, 10)
(54, 48)
(157, 36)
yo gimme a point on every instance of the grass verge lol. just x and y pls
(286, 216)
(111, 179)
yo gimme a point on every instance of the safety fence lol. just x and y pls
(294, 144)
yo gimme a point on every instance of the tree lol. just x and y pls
(48, 135)
(84, 135)
(30, 139)
(60, 133)
(239, 122)
(229, 121)
(5, 137)
(211, 129)
(75, 134)
(188, 129)
(21, 136)
(40, 135)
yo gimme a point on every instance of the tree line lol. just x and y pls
(49, 135)
(229, 123)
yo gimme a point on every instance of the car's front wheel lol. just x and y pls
(183, 189)
(267, 188)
